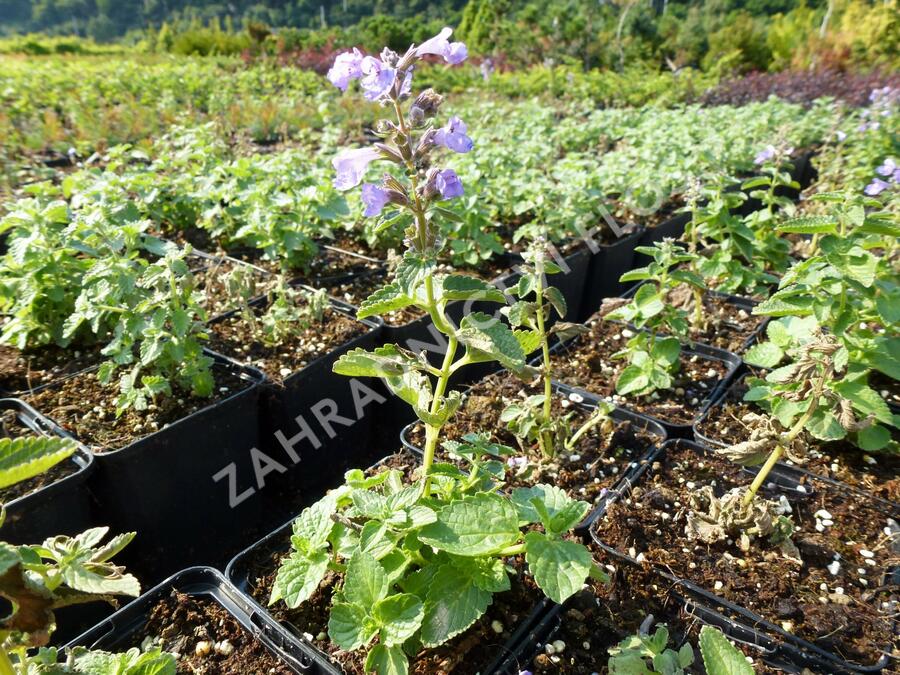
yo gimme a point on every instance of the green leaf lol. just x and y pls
(315, 524)
(365, 582)
(529, 340)
(865, 399)
(560, 567)
(411, 272)
(475, 525)
(555, 297)
(488, 574)
(825, 426)
(874, 437)
(764, 355)
(810, 225)
(399, 616)
(633, 379)
(489, 339)
(452, 604)
(30, 456)
(563, 512)
(785, 306)
(462, 287)
(131, 662)
(349, 627)
(385, 361)
(386, 299)
(298, 578)
(384, 660)
(720, 657)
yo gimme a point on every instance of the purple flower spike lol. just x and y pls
(453, 136)
(346, 68)
(765, 155)
(374, 198)
(453, 53)
(377, 78)
(876, 187)
(888, 168)
(351, 166)
(448, 184)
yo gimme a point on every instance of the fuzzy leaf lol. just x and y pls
(298, 578)
(810, 225)
(555, 297)
(27, 457)
(453, 603)
(764, 355)
(384, 660)
(399, 617)
(386, 299)
(720, 657)
(475, 525)
(365, 582)
(489, 339)
(563, 511)
(560, 567)
(462, 287)
(349, 627)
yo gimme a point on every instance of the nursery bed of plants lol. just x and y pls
(577, 391)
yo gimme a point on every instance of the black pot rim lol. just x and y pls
(37, 422)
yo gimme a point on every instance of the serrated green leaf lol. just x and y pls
(475, 525)
(365, 582)
(529, 340)
(865, 399)
(560, 567)
(29, 456)
(825, 426)
(298, 578)
(349, 626)
(452, 604)
(384, 660)
(563, 511)
(386, 299)
(555, 297)
(720, 657)
(809, 225)
(399, 617)
(764, 355)
(489, 339)
(488, 574)
(462, 287)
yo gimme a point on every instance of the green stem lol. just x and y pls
(788, 439)
(545, 342)
(516, 549)
(593, 421)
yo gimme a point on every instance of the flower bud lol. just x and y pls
(416, 116)
(390, 57)
(429, 101)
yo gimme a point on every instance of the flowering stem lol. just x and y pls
(545, 341)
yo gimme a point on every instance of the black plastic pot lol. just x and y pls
(671, 228)
(316, 424)
(618, 414)
(122, 630)
(606, 266)
(731, 361)
(176, 487)
(63, 507)
(738, 301)
(731, 618)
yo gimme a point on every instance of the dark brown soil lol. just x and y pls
(12, 428)
(87, 409)
(889, 388)
(728, 326)
(235, 337)
(875, 473)
(602, 615)
(22, 371)
(803, 598)
(598, 460)
(587, 363)
(180, 622)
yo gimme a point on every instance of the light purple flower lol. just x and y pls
(439, 45)
(406, 86)
(375, 199)
(351, 166)
(345, 69)
(876, 187)
(448, 184)
(888, 168)
(517, 463)
(453, 136)
(377, 78)
(765, 155)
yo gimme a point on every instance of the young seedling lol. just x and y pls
(531, 419)
(291, 311)
(652, 359)
(420, 559)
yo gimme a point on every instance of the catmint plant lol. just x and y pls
(774, 168)
(420, 556)
(653, 359)
(531, 419)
